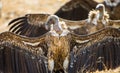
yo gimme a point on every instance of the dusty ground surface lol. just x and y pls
(14, 8)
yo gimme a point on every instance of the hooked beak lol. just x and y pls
(100, 7)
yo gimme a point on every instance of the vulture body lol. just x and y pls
(79, 9)
(59, 49)
(52, 52)
(33, 25)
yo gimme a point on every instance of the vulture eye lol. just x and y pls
(51, 21)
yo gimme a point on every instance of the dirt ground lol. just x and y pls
(14, 8)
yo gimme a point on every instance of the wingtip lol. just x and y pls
(17, 19)
(15, 25)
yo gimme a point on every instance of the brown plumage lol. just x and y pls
(18, 57)
(99, 54)
(79, 9)
(113, 8)
(56, 48)
(51, 43)
(76, 9)
(35, 24)
(59, 52)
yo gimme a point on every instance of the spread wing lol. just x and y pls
(33, 25)
(100, 53)
(79, 9)
(114, 23)
(22, 55)
(29, 25)
(76, 9)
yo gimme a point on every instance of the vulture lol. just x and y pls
(52, 47)
(59, 50)
(79, 9)
(33, 25)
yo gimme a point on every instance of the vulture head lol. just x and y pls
(101, 9)
(52, 23)
(98, 15)
(102, 16)
(52, 19)
(55, 26)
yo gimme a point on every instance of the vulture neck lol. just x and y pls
(101, 14)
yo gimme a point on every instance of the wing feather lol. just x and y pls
(20, 18)
(16, 58)
(100, 53)
(24, 42)
(17, 23)
(20, 27)
(25, 25)
(33, 25)
(76, 10)
(97, 36)
(79, 9)
(114, 23)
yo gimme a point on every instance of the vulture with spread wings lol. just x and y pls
(59, 50)
(53, 47)
(79, 9)
(47, 52)
(33, 25)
